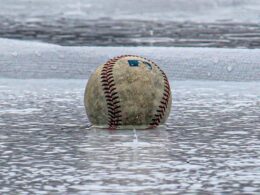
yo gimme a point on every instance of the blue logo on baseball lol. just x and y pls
(135, 63)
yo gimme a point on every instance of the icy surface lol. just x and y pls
(179, 23)
(211, 142)
(21, 59)
(176, 10)
(129, 32)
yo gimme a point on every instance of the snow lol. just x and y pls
(25, 59)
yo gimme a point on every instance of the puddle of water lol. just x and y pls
(210, 143)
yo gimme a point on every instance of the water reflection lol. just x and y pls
(129, 32)
(210, 142)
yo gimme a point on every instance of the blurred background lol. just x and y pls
(209, 50)
(197, 23)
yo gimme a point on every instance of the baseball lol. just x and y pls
(128, 92)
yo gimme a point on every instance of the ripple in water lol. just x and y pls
(210, 142)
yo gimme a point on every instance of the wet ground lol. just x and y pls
(111, 32)
(211, 142)
(197, 23)
(28, 59)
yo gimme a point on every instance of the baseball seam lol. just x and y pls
(113, 101)
(164, 102)
(156, 120)
(111, 94)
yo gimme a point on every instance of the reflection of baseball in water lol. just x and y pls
(128, 91)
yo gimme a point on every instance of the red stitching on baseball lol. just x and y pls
(164, 102)
(166, 96)
(112, 97)
(111, 94)
(165, 99)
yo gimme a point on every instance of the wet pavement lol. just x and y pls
(129, 32)
(211, 142)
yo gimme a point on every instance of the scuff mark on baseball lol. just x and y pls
(128, 92)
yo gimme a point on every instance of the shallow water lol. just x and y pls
(127, 32)
(211, 142)
(197, 23)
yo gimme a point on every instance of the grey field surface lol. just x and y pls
(196, 23)
(127, 32)
(211, 142)
(27, 59)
